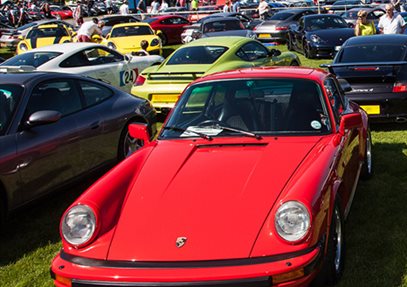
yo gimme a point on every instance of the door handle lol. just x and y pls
(95, 125)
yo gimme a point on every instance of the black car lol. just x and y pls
(222, 26)
(112, 20)
(318, 36)
(373, 14)
(343, 5)
(376, 68)
(276, 27)
(247, 22)
(57, 127)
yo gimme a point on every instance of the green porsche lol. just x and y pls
(163, 84)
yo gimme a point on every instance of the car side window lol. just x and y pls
(335, 97)
(56, 95)
(252, 51)
(94, 93)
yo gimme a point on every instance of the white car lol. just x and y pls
(88, 59)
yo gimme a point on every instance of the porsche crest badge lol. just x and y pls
(181, 241)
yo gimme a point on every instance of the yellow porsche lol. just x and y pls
(126, 38)
(44, 35)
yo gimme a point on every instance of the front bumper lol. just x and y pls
(288, 270)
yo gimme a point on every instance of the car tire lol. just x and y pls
(289, 44)
(367, 167)
(164, 39)
(127, 144)
(307, 51)
(333, 266)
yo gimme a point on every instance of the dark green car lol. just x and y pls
(163, 84)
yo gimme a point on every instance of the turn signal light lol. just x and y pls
(289, 276)
(140, 80)
(399, 87)
(63, 280)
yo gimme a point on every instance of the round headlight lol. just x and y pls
(23, 47)
(292, 221)
(315, 38)
(78, 225)
(111, 45)
(155, 42)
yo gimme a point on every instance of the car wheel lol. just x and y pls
(289, 44)
(367, 168)
(307, 51)
(163, 38)
(333, 265)
(127, 144)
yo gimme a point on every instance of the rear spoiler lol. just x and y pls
(362, 64)
(175, 76)
(17, 69)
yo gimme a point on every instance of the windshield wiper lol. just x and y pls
(177, 129)
(250, 134)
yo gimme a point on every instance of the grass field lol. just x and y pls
(376, 228)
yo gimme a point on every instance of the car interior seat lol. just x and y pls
(4, 111)
(304, 108)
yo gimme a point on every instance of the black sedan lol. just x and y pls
(111, 20)
(222, 26)
(376, 68)
(57, 127)
(319, 35)
(276, 27)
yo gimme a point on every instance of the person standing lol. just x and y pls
(227, 7)
(263, 9)
(236, 6)
(363, 26)
(194, 5)
(124, 9)
(46, 9)
(155, 6)
(391, 23)
(109, 8)
(78, 14)
(164, 5)
(22, 15)
(89, 28)
(396, 4)
(141, 7)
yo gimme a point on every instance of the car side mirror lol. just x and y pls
(345, 86)
(196, 34)
(294, 27)
(139, 131)
(127, 58)
(274, 53)
(43, 118)
(350, 121)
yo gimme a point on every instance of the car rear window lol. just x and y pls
(372, 53)
(197, 55)
(281, 16)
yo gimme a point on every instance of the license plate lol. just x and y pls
(372, 110)
(264, 35)
(164, 98)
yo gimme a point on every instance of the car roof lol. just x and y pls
(21, 78)
(131, 24)
(219, 19)
(67, 47)
(396, 39)
(314, 74)
(217, 41)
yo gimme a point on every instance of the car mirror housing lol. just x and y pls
(274, 52)
(139, 131)
(350, 121)
(43, 118)
(345, 86)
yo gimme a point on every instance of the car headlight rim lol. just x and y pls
(78, 225)
(111, 46)
(292, 221)
(23, 47)
(155, 42)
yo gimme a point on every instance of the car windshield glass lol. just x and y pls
(196, 55)
(281, 16)
(220, 26)
(9, 97)
(47, 33)
(372, 53)
(351, 14)
(250, 107)
(26, 26)
(35, 59)
(149, 20)
(131, 31)
(327, 22)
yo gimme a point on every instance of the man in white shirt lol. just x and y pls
(263, 9)
(391, 23)
(164, 5)
(89, 28)
(124, 8)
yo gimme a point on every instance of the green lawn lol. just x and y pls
(376, 229)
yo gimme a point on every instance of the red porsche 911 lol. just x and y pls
(248, 184)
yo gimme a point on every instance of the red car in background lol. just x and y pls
(171, 27)
(61, 12)
(261, 167)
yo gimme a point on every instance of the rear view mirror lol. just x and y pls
(139, 131)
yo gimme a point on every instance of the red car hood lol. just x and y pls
(215, 195)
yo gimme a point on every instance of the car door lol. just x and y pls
(299, 34)
(103, 64)
(349, 158)
(49, 155)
